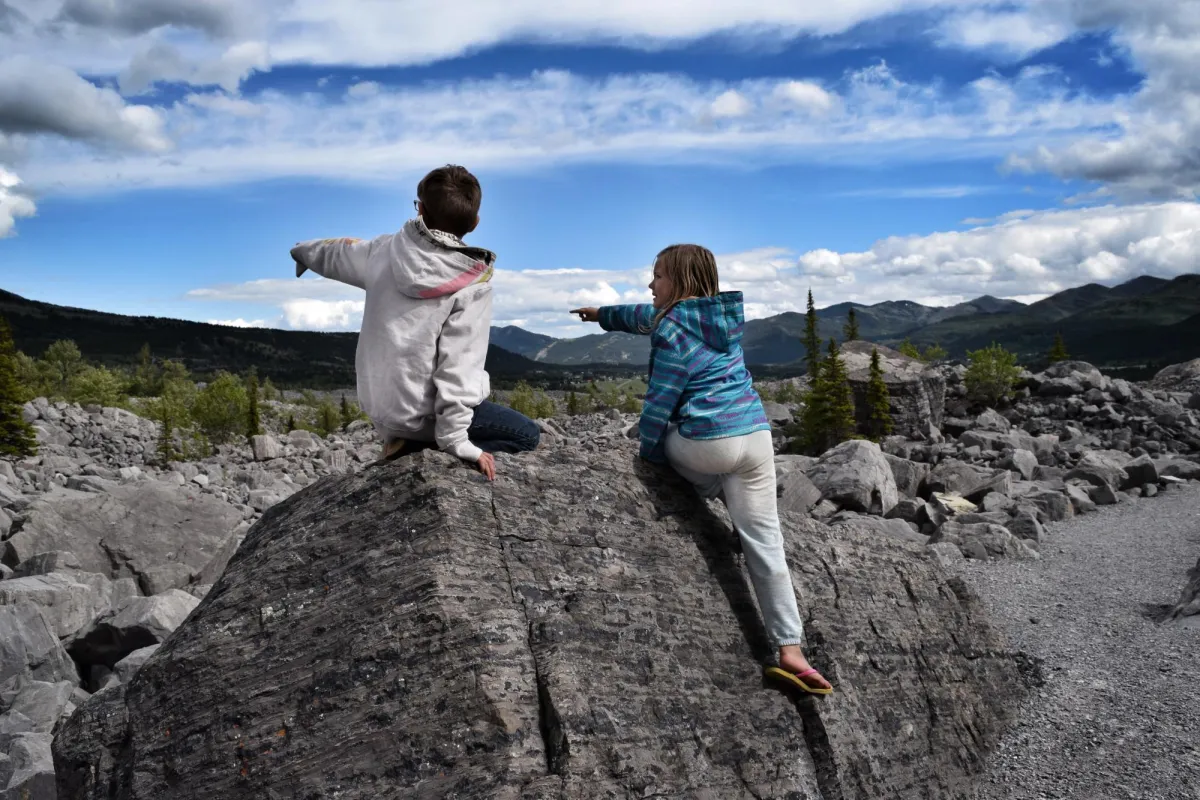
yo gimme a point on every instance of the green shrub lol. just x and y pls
(65, 362)
(98, 385)
(991, 375)
(221, 408)
(172, 411)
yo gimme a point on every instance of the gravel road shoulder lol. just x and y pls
(1119, 714)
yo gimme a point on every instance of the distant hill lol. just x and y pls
(289, 358)
(1129, 323)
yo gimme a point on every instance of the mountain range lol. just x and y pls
(1144, 320)
(1145, 323)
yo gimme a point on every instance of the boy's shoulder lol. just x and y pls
(422, 236)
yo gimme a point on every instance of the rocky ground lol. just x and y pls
(106, 553)
(1116, 717)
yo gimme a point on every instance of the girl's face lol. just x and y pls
(661, 286)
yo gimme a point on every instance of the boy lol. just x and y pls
(424, 338)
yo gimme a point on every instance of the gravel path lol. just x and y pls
(1119, 714)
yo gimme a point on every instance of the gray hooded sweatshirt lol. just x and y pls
(424, 332)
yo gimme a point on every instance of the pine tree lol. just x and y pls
(828, 415)
(839, 409)
(145, 383)
(253, 415)
(1058, 352)
(879, 412)
(572, 404)
(17, 437)
(812, 339)
(291, 423)
(346, 412)
(851, 328)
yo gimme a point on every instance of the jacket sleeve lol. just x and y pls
(669, 376)
(457, 374)
(342, 260)
(628, 319)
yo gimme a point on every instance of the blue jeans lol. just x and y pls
(499, 429)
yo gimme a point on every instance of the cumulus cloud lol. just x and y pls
(214, 17)
(46, 98)
(1014, 33)
(1152, 148)
(1034, 253)
(730, 103)
(13, 204)
(240, 323)
(807, 95)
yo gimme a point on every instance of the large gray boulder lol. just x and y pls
(1187, 609)
(855, 476)
(29, 646)
(581, 627)
(159, 535)
(69, 601)
(1100, 469)
(917, 392)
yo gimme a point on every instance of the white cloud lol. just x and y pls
(219, 102)
(1037, 254)
(240, 323)
(1016, 33)
(215, 17)
(40, 98)
(12, 203)
(323, 315)
(557, 117)
(164, 63)
(730, 104)
(807, 95)
(363, 89)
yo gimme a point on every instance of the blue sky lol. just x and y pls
(161, 157)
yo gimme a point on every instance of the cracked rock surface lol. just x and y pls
(582, 627)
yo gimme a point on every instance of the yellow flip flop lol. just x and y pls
(796, 680)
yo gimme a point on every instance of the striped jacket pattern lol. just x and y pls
(698, 377)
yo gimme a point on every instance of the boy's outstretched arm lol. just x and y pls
(342, 260)
(462, 351)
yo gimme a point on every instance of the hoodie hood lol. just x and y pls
(717, 321)
(428, 263)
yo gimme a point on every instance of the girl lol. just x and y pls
(702, 416)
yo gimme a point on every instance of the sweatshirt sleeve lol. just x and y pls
(628, 319)
(462, 351)
(669, 376)
(343, 260)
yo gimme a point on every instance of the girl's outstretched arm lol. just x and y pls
(628, 319)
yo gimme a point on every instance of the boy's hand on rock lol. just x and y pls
(487, 465)
(587, 314)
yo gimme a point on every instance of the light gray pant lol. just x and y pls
(743, 467)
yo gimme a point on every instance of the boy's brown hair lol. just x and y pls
(451, 196)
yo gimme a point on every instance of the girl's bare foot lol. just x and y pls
(792, 659)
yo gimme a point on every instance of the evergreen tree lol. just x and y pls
(839, 410)
(328, 417)
(268, 390)
(812, 339)
(572, 404)
(828, 415)
(879, 412)
(17, 437)
(347, 414)
(253, 415)
(851, 328)
(1058, 352)
(291, 423)
(934, 353)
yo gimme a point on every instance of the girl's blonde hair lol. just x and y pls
(693, 273)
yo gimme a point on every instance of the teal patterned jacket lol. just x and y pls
(698, 376)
